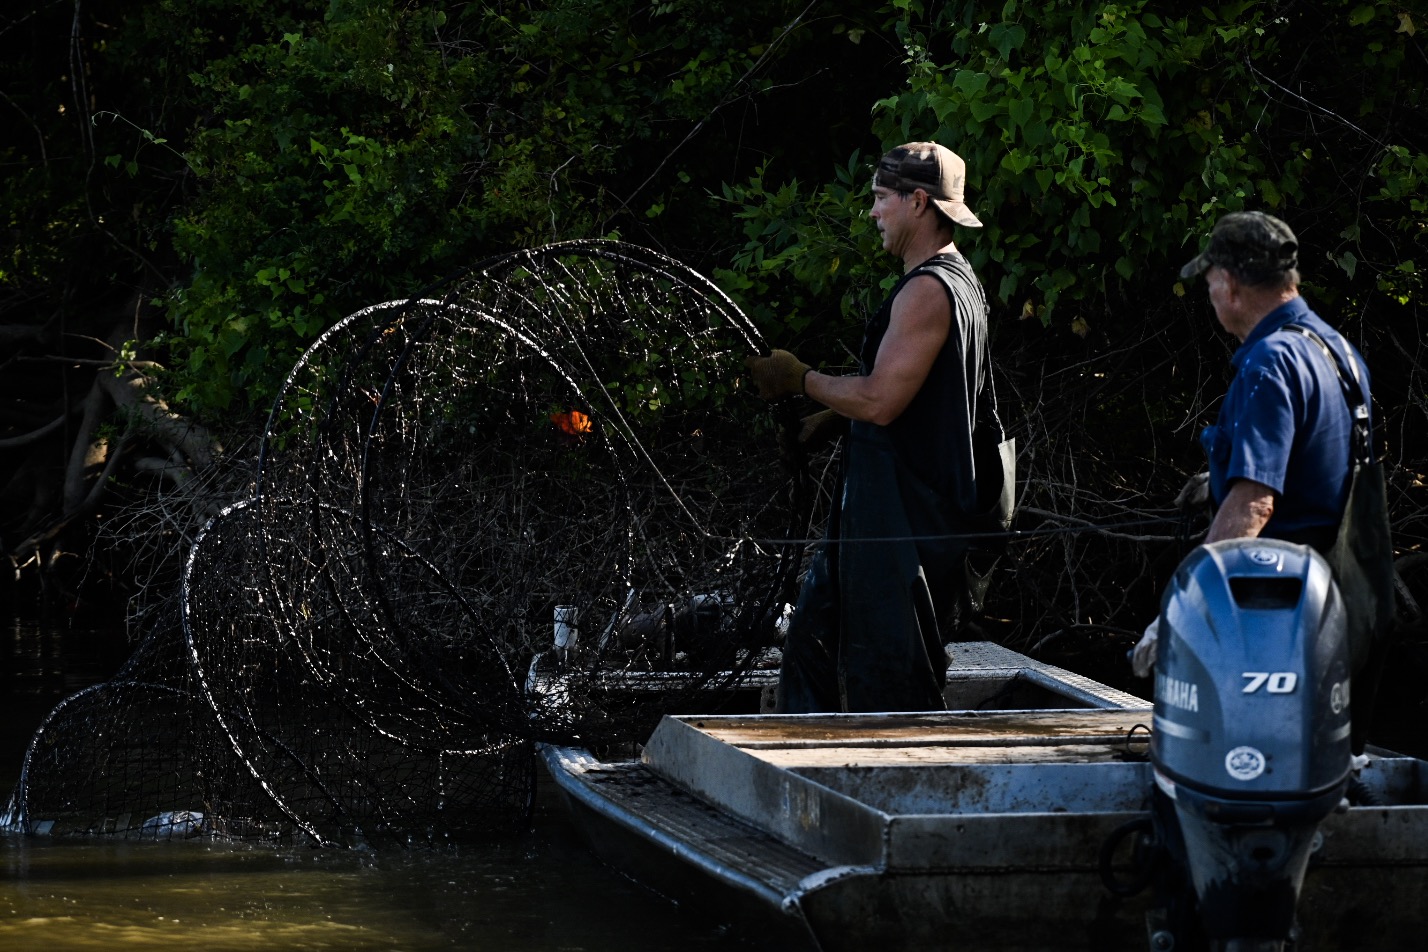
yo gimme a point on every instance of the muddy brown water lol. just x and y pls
(539, 892)
(542, 891)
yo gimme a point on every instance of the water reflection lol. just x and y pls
(39, 667)
(539, 891)
(542, 891)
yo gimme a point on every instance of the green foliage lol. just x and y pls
(1403, 195)
(327, 169)
(354, 152)
(803, 250)
(1103, 140)
(274, 166)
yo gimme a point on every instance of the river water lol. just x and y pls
(539, 892)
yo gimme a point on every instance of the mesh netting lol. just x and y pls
(527, 508)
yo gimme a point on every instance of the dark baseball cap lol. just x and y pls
(935, 169)
(1249, 243)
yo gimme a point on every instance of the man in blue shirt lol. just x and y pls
(1279, 453)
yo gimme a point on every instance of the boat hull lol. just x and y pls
(959, 830)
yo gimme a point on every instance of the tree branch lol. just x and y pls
(34, 436)
(129, 391)
(88, 453)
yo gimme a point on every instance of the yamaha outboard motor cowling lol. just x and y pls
(1251, 740)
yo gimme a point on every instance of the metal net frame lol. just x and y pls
(527, 506)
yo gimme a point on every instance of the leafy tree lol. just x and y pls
(235, 176)
(1103, 139)
(391, 145)
(195, 189)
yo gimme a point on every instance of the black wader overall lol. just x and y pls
(889, 585)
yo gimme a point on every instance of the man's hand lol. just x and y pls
(821, 428)
(1143, 656)
(780, 374)
(1195, 494)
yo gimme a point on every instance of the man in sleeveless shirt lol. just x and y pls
(885, 590)
(1279, 460)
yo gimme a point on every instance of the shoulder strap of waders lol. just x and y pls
(1360, 441)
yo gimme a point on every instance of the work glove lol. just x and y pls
(821, 428)
(798, 438)
(780, 374)
(1195, 494)
(1143, 655)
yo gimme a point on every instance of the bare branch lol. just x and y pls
(129, 391)
(727, 98)
(34, 436)
(88, 453)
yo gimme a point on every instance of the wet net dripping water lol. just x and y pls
(495, 515)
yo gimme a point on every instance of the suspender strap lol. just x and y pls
(1360, 442)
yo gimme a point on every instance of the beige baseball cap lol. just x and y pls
(935, 169)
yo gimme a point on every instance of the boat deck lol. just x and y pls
(959, 829)
(885, 790)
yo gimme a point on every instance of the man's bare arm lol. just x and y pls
(921, 319)
(1243, 514)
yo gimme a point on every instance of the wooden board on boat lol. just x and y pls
(952, 830)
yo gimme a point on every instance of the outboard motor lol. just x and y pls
(1250, 745)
